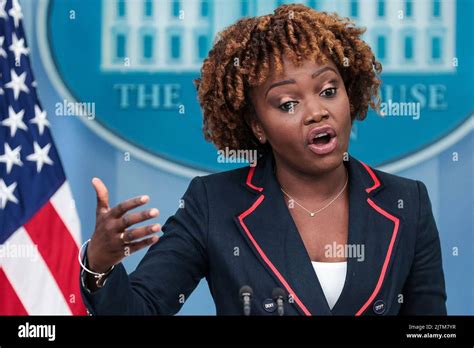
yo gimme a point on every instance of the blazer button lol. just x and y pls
(269, 305)
(379, 307)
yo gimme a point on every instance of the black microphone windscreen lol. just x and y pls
(278, 293)
(245, 290)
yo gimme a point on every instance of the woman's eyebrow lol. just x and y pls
(322, 70)
(280, 83)
(290, 81)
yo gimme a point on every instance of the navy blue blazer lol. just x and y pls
(235, 229)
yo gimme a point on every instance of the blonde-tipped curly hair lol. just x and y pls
(244, 52)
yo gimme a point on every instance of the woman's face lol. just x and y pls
(289, 109)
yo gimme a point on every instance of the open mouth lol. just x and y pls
(321, 139)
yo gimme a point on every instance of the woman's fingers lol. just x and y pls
(102, 195)
(110, 238)
(132, 247)
(134, 218)
(127, 205)
(140, 232)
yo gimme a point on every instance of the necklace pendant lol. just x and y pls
(312, 214)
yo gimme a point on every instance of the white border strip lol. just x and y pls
(186, 172)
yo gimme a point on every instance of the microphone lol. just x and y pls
(245, 294)
(279, 295)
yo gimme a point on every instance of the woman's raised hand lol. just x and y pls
(113, 240)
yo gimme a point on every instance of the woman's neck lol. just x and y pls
(314, 188)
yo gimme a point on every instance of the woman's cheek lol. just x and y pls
(285, 135)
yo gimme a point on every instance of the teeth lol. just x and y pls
(320, 135)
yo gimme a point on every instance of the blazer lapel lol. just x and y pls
(373, 231)
(272, 234)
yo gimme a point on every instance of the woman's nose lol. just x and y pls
(316, 113)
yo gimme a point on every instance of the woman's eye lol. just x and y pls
(288, 106)
(329, 92)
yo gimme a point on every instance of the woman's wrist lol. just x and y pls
(98, 268)
(94, 266)
(95, 277)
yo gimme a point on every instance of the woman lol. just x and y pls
(324, 229)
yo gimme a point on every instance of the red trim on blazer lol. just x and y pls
(278, 274)
(387, 256)
(372, 175)
(264, 256)
(249, 180)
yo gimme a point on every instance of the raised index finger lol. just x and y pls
(127, 205)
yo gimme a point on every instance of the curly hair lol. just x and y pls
(244, 54)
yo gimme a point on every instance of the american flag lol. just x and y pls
(39, 227)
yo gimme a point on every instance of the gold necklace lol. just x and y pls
(313, 213)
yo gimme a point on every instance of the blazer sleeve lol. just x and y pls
(168, 273)
(424, 291)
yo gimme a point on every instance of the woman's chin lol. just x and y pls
(317, 165)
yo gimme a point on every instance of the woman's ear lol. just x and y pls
(258, 130)
(253, 119)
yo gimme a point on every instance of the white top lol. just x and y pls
(331, 276)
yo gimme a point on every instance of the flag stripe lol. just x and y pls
(32, 280)
(59, 251)
(10, 304)
(64, 205)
